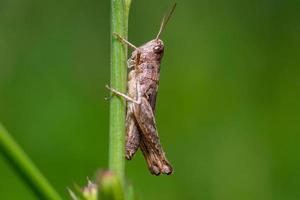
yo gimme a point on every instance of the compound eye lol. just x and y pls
(158, 49)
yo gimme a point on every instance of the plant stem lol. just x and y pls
(25, 167)
(111, 187)
(119, 24)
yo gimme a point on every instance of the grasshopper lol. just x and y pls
(143, 80)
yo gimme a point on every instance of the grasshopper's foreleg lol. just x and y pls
(123, 40)
(131, 62)
(125, 96)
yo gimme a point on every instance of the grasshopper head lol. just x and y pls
(158, 46)
(153, 50)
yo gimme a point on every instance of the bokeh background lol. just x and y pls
(228, 104)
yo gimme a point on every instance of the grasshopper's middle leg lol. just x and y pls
(125, 96)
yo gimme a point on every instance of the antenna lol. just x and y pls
(165, 20)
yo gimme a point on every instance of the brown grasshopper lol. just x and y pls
(143, 79)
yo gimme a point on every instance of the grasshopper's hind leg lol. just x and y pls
(132, 133)
(150, 142)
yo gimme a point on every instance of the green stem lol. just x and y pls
(111, 187)
(119, 24)
(25, 167)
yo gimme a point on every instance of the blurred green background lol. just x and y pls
(228, 105)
